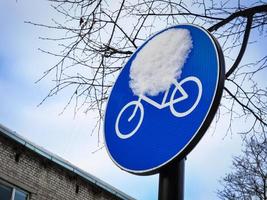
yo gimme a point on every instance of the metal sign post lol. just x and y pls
(171, 181)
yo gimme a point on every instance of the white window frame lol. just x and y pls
(14, 189)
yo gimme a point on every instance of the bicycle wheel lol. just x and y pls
(187, 112)
(131, 133)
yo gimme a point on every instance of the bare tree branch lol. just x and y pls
(249, 176)
(95, 38)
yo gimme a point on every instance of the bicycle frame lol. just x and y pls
(164, 102)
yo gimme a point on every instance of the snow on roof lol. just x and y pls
(160, 62)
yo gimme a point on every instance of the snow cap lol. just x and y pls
(160, 62)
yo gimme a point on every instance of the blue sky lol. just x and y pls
(21, 64)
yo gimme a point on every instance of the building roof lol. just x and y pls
(63, 163)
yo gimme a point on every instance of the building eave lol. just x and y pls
(12, 135)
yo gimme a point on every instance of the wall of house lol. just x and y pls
(42, 178)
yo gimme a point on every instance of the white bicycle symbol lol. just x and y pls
(164, 104)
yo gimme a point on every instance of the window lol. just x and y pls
(20, 195)
(5, 192)
(9, 192)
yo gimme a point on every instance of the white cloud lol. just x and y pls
(209, 161)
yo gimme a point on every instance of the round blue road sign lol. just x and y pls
(164, 99)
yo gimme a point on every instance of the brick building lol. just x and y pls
(29, 172)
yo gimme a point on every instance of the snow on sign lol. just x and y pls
(164, 99)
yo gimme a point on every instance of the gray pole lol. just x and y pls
(171, 181)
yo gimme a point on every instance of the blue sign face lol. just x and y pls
(162, 103)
